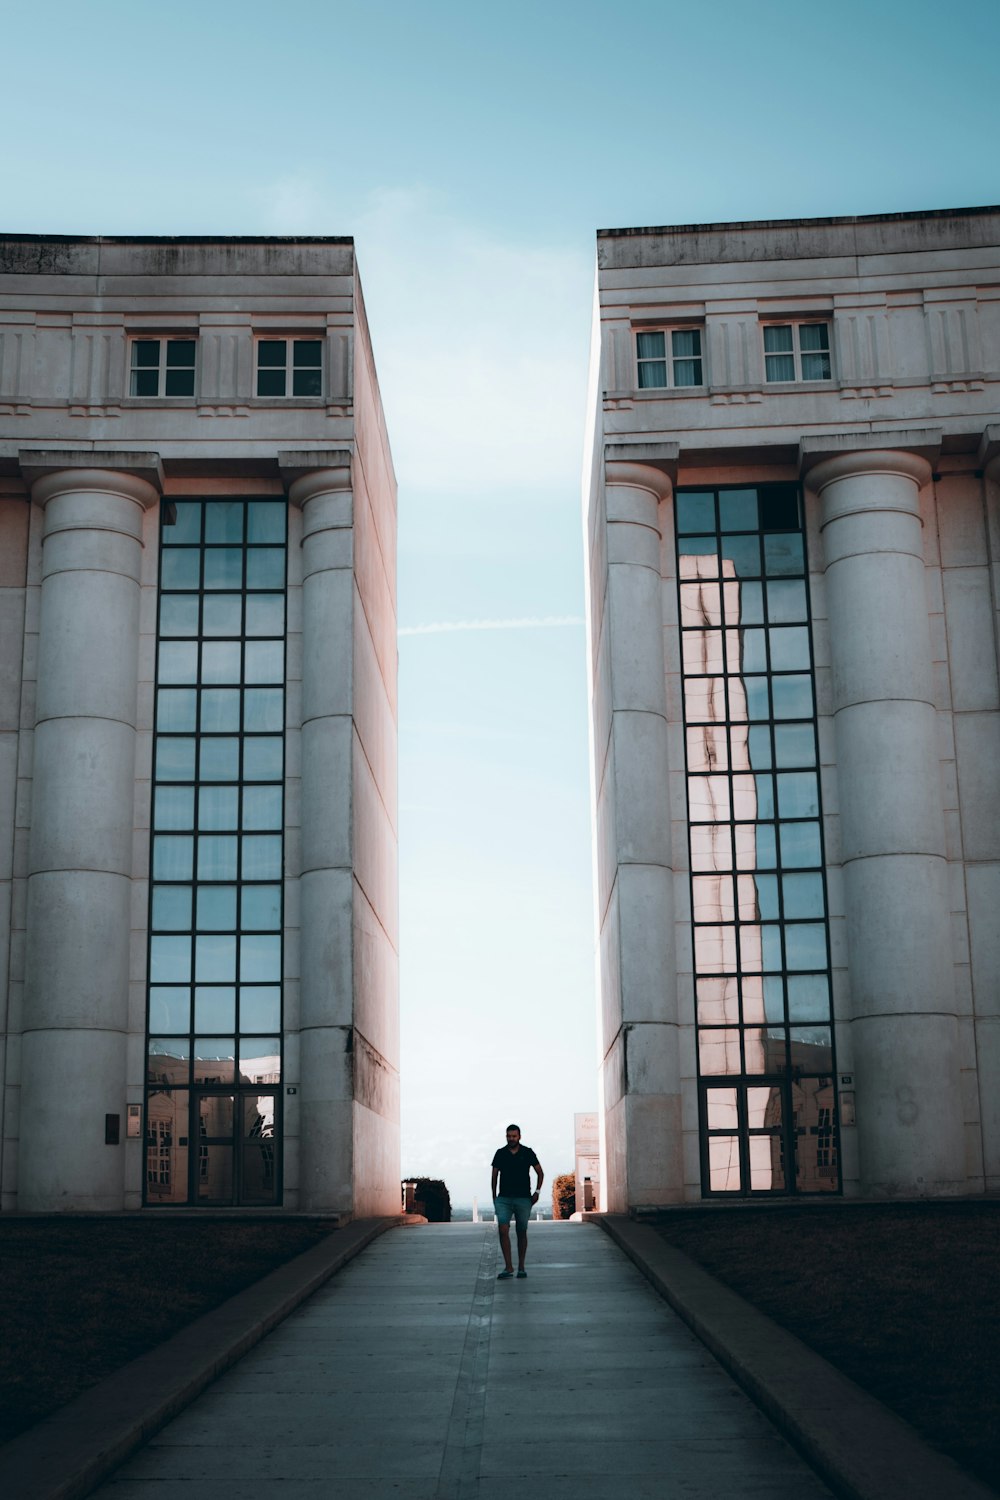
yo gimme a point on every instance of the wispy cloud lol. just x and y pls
(517, 622)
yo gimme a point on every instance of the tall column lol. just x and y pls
(904, 1028)
(80, 852)
(326, 882)
(642, 1092)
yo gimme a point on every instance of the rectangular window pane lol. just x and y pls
(260, 958)
(266, 568)
(262, 759)
(800, 845)
(223, 614)
(178, 661)
(220, 661)
(217, 857)
(176, 709)
(262, 807)
(265, 614)
(792, 697)
(219, 760)
(307, 383)
(218, 807)
(171, 908)
(718, 1001)
(169, 960)
(779, 367)
(651, 345)
(169, 1060)
(777, 338)
(783, 553)
(260, 1007)
(173, 857)
(215, 959)
(216, 904)
(261, 856)
(215, 1008)
(224, 568)
(180, 568)
(271, 353)
(719, 1052)
(261, 908)
(220, 710)
(724, 1164)
(178, 614)
(179, 383)
(738, 510)
(173, 807)
(170, 1008)
(266, 521)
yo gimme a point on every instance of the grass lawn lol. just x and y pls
(903, 1298)
(80, 1297)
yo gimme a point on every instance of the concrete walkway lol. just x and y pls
(415, 1374)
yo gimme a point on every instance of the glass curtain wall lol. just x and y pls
(213, 1096)
(758, 891)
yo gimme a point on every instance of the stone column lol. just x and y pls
(904, 1027)
(642, 1091)
(80, 851)
(326, 881)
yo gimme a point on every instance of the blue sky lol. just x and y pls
(472, 151)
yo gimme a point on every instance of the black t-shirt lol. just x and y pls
(513, 1168)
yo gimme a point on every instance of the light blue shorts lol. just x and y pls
(518, 1208)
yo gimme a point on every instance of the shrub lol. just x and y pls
(564, 1196)
(431, 1198)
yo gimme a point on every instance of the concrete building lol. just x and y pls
(793, 539)
(198, 891)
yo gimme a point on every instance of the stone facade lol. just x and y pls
(139, 377)
(855, 362)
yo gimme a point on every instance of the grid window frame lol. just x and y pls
(289, 366)
(216, 892)
(667, 364)
(163, 367)
(757, 870)
(804, 357)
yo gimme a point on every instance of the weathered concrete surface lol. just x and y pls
(860, 1447)
(415, 1374)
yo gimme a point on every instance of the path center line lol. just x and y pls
(459, 1476)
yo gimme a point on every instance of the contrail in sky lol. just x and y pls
(518, 622)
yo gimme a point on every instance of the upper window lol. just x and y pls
(162, 367)
(290, 367)
(797, 351)
(671, 358)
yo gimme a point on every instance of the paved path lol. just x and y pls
(415, 1375)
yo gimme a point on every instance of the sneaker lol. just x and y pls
(521, 1275)
(506, 1275)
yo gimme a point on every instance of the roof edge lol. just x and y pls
(729, 224)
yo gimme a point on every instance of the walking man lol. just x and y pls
(512, 1166)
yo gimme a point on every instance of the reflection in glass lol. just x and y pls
(215, 1009)
(789, 646)
(800, 845)
(176, 709)
(811, 1049)
(174, 759)
(216, 906)
(167, 1146)
(743, 603)
(712, 896)
(695, 511)
(774, 1000)
(766, 1169)
(260, 1007)
(169, 960)
(171, 908)
(798, 795)
(719, 1052)
(224, 568)
(215, 1062)
(744, 554)
(763, 1107)
(724, 1163)
(718, 1001)
(222, 614)
(783, 554)
(802, 895)
(738, 510)
(168, 1060)
(715, 950)
(786, 602)
(178, 662)
(215, 958)
(699, 558)
(795, 744)
(173, 807)
(214, 1178)
(219, 760)
(808, 997)
(705, 699)
(220, 661)
(223, 521)
(220, 710)
(711, 847)
(708, 799)
(203, 714)
(218, 807)
(261, 908)
(755, 847)
(816, 1168)
(723, 1110)
(765, 1049)
(169, 1008)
